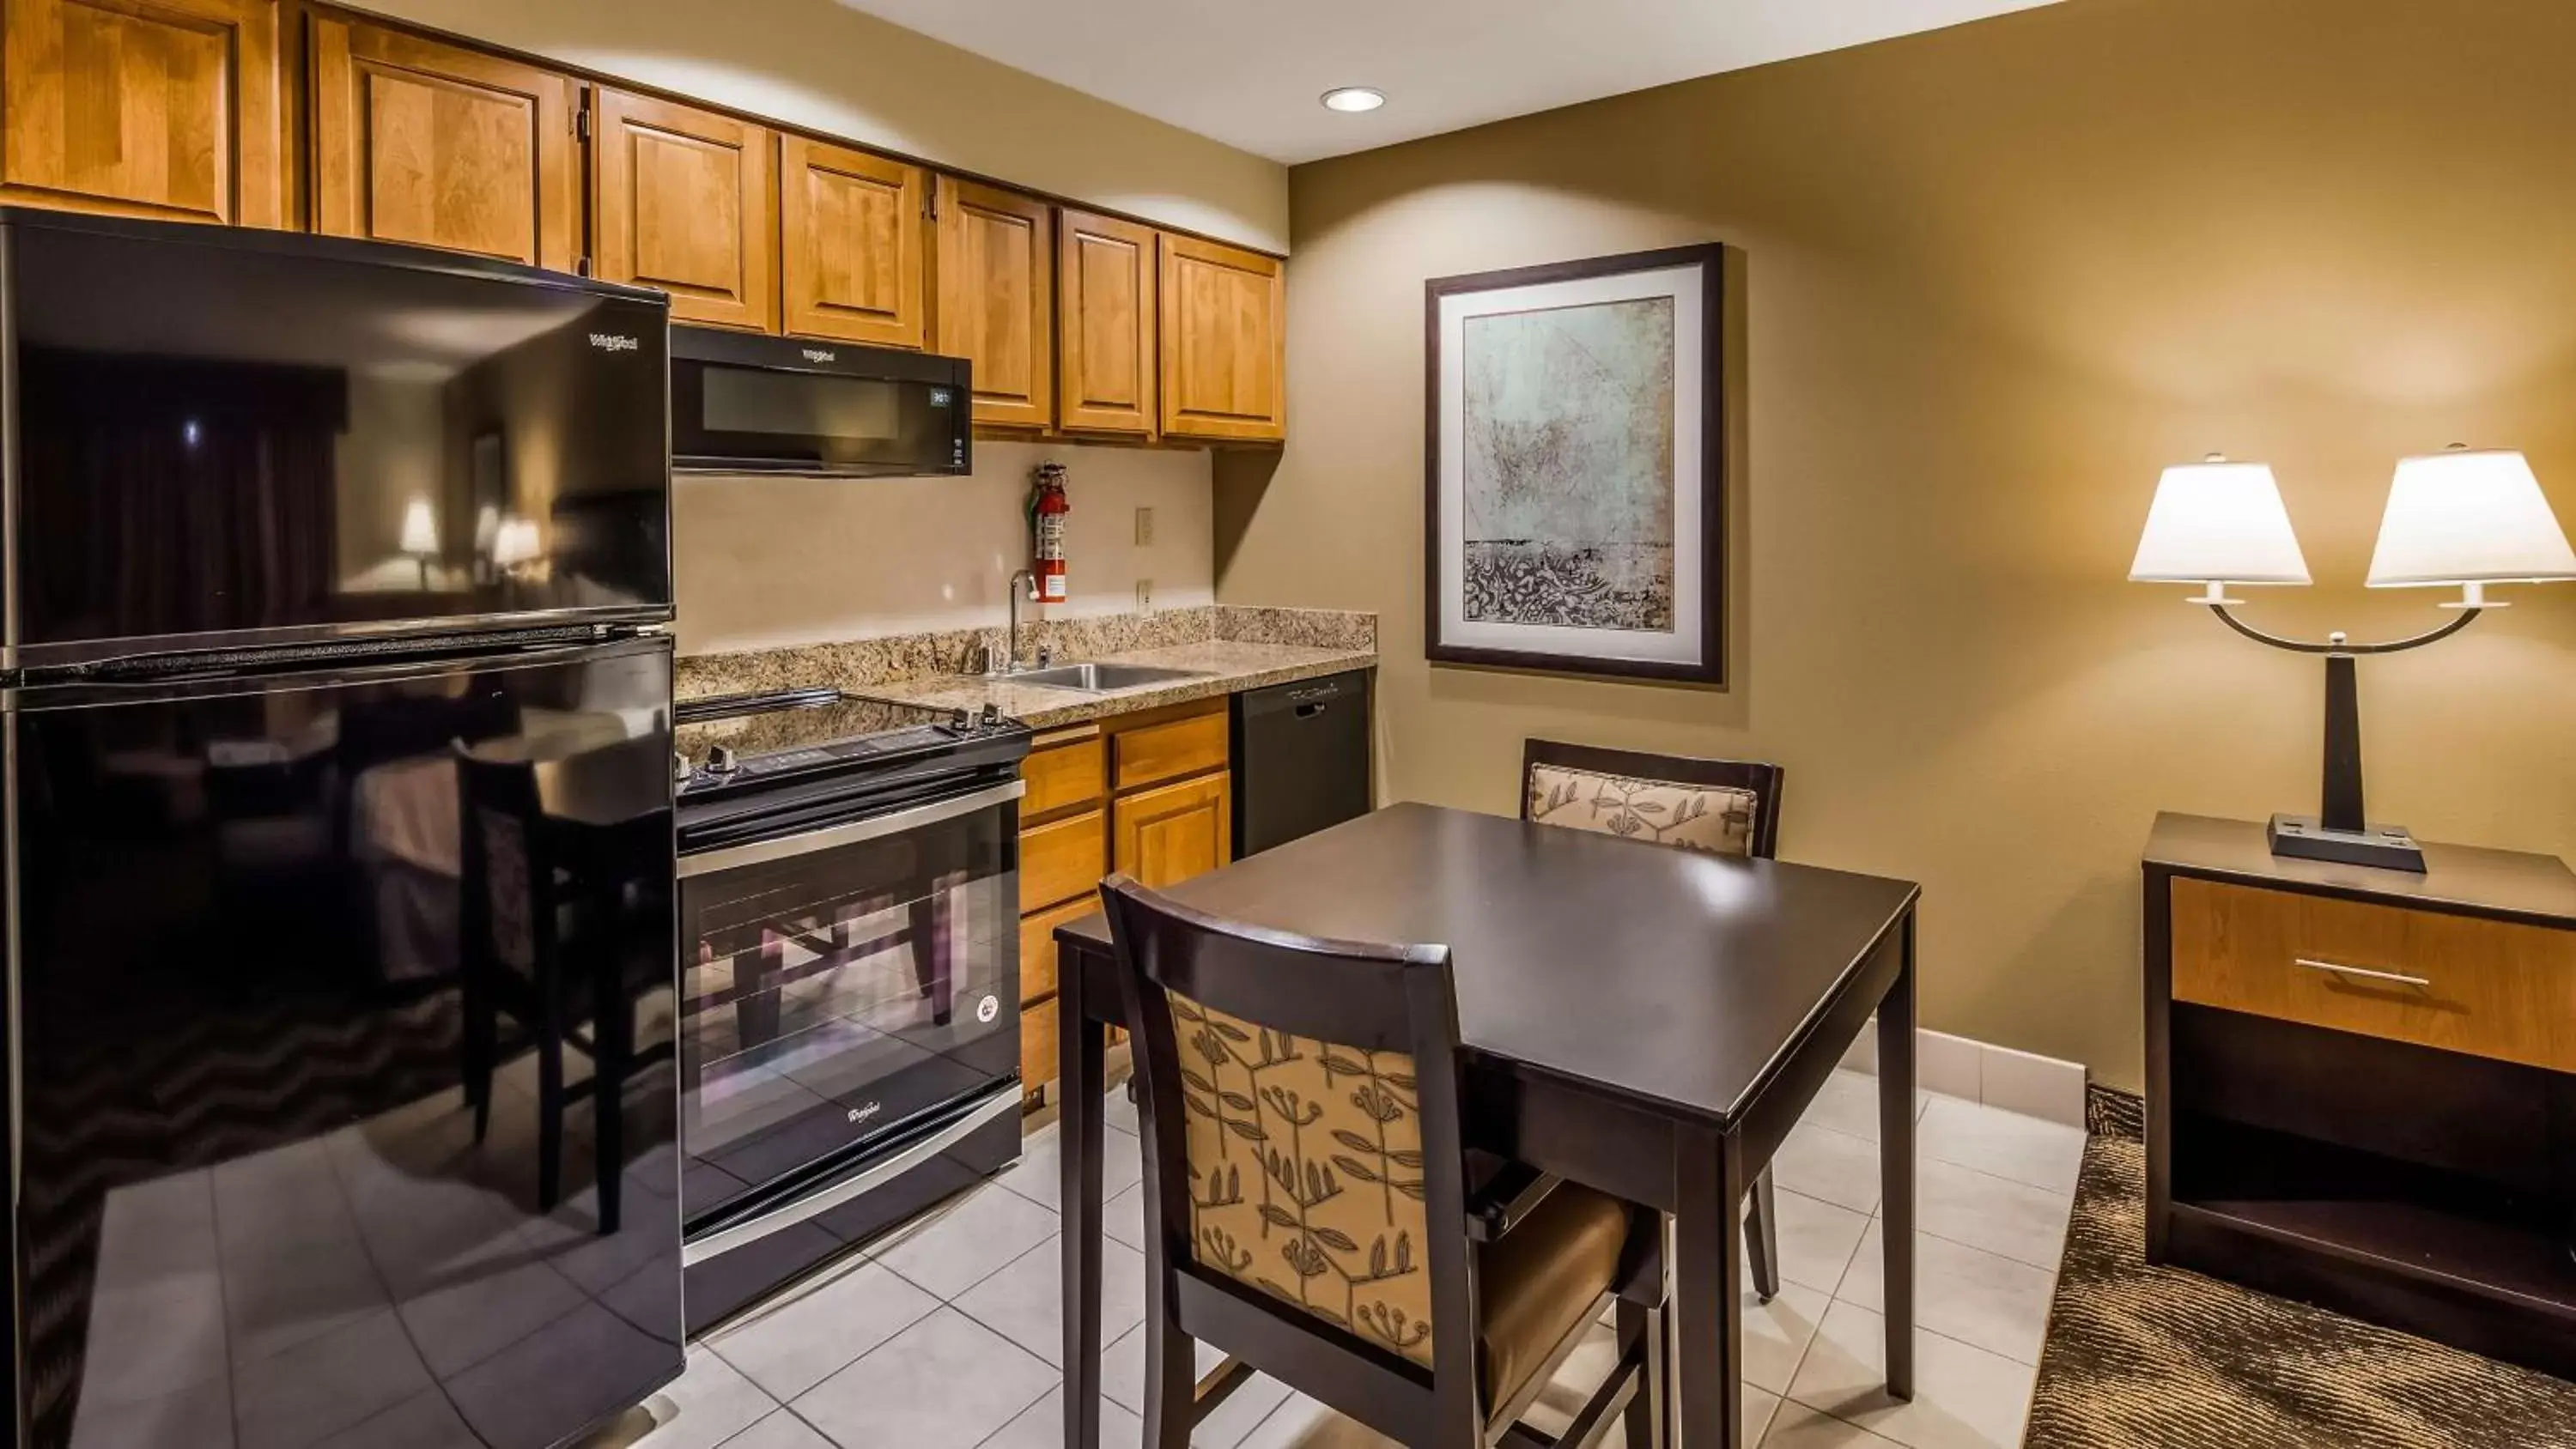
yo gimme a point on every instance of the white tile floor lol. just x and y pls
(945, 1335)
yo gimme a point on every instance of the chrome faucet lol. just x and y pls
(1011, 660)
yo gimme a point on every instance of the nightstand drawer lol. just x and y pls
(2458, 983)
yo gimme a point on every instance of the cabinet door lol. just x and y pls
(1105, 284)
(1224, 355)
(686, 200)
(415, 141)
(1168, 834)
(997, 298)
(161, 108)
(854, 244)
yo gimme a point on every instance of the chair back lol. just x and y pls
(1300, 1104)
(507, 874)
(1724, 807)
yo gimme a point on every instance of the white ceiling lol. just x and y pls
(1248, 73)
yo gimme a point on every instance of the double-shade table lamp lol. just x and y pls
(2463, 519)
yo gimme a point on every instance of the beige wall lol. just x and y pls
(825, 66)
(763, 562)
(1994, 278)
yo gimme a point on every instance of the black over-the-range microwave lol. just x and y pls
(746, 403)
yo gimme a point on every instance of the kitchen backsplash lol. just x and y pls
(763, 563)
(856, 664)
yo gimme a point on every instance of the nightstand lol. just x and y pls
(2361, 1084)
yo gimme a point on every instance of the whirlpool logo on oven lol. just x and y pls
(615, 342)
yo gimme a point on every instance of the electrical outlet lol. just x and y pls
(1144, 592)
(1144, 527)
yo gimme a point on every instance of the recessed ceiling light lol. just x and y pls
(1353, 99)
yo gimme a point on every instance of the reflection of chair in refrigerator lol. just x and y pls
(273, 851)
(933, 963)
(549, 947)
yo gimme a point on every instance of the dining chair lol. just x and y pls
(1312, 1212)
(536, 947)
(1723, 807)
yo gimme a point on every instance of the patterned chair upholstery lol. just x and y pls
(1718, 819)
(1306, 1183)
(1722, 807)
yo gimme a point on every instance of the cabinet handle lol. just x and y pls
(2394, 977)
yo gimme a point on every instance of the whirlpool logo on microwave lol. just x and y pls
(615, 342)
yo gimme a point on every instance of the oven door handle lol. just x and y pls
(875, 827)
(851, 1188)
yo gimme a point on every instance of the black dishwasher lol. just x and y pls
(1301, 759)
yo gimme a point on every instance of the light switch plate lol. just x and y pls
(1144, 526)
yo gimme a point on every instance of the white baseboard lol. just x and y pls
(2015, 1081)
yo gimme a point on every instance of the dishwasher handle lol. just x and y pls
(1304, 699)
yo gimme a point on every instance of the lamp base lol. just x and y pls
(2386, 847)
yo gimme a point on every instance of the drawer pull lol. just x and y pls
(2393, 977)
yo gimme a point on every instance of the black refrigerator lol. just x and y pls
(336, 669)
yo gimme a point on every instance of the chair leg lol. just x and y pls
(550, 1113)
(1643, 1326)
(1762, 1238)
(475, 1043)
(613, 1025)
(1171, 1378)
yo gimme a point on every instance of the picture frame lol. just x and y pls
(1575, 467)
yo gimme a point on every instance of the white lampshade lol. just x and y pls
(2468, 517)
(2218, 522)
(516, 543)
(419, 528)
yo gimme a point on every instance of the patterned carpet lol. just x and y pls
(2140, 1356)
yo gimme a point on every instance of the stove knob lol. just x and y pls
(680, 771)
(992, 719)
(957, 720)
(721, 761)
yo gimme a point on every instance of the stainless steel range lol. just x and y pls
(849, 950)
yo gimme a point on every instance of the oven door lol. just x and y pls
(841, 987)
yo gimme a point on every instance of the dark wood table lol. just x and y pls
(1647, 1021)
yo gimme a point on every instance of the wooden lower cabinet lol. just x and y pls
(1169, 833)
(1150, 794)
(1039, 1043)
(1061, 861)
(1037, 946)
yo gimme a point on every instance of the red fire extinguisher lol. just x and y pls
(1047, 508)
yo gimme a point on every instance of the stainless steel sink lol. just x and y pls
(1094, 678)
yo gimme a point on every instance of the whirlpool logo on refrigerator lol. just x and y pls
(616, 342)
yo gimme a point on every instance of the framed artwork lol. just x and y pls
(1575, 467)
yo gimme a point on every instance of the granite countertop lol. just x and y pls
(1226, 666)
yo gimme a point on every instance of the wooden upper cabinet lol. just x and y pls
(1224, 354)
(160, 108)
(422, 142)
(855, 227)
(997, 298)
(687, 201)
(1105, 283)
